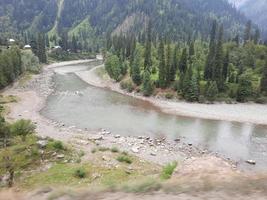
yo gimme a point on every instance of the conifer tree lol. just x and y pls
(183, 62)
(211, 91)
(147, 85)
(226, 61)
(244, 88)
(264, 78)
(208, 73)
(136, 71)
(168, 65)
(41, 52)
(174, 65)
(162, 70)
(218, 64)
(247, 34)
(256, 36)
(148, 60)
(74, 44)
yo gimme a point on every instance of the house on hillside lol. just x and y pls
(27, 46)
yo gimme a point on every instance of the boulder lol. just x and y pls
(135, 149)
(60, 156)
(96, 137)
(153, 154)
(42, 143)
(251, 162)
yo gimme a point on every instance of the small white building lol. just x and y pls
(27, 46)
(56, 47)
(11, 40)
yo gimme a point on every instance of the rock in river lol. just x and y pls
(251, 162)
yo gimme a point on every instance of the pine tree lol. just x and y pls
(168, 65)
(162, 70)
(247, 34)
(226, 61)
(74, 45)
(236, 40)
(211, 91)
(264, 78)
(41, 51)
(47, 41)
(148, 60)
(191, 49)
(183, 62)
(136, 72)
(256, 36)
(218, 64)
(244, 88)
(174, 65)
(147, 85)
(208, 73)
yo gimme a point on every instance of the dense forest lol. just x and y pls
(90, 21)
(197, 71)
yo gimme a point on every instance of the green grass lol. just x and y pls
(58, 174)
(168, 171)
(80, 173)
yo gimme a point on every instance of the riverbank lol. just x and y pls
(33, 97)
(243, 113)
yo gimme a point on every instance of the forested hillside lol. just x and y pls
(195, 71)
(179, 19)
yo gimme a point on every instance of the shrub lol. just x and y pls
(168, 171)
(103, 149)
(261, 100)
(22, 128)
(80, 173)
(114, 150)
(30, 62)
(58, 145)
(125, 159)
(127, 85)
(94, 150)
(169, 96)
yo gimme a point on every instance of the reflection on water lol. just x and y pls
(97, 108)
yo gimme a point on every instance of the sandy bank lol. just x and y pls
(244, 113)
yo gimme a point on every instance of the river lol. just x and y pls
(75, 103)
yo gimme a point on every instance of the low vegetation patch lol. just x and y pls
(168, 171)
(142, 186)
(80, 173)
(114, 150)
(125, 159)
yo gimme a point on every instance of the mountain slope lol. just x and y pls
(256, 10)
(176, 18)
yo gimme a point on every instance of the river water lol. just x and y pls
(75, 103)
